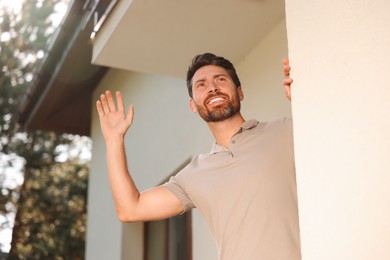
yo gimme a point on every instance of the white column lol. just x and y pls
(340, 57)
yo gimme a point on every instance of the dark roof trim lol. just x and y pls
(65, 79)
(54, 47)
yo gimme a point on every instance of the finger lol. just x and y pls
(99, 108)
(288, 81)
(287, 70)
(110, 100)
(119, 100)
(288, 92)
(130, 114)
(287, 67)
(104, 104)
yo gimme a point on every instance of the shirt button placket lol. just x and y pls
(231, 148)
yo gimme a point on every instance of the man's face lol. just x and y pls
(215, 97)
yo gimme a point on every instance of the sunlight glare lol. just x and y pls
(60, 10)
(13, 5)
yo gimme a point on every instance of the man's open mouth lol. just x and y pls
(215, 100)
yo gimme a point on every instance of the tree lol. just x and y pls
(52, 222)
(53, 193)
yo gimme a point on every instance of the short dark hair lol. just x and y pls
(205, 59)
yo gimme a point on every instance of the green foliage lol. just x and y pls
(53, 222)
(50, 218)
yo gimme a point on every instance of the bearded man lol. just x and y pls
(245, 187)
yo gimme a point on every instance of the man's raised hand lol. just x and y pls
(113, 120)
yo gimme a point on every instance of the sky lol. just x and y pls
(16, 6)
(13, 176)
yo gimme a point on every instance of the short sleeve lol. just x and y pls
(177, 189)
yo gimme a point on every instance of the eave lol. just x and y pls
(59, 97)
(161, 37)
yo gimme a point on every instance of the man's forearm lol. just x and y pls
(125, 192)
(131, 205)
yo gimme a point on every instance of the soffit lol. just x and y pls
(161, 37)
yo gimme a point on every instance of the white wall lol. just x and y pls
(104, 231)
(165, 134)
(339, 52)
(261, 75)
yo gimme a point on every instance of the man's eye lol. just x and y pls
(221, 79)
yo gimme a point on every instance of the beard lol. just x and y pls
(221, 112)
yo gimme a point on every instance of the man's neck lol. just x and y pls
(224, 130)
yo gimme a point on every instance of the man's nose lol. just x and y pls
(213, 87)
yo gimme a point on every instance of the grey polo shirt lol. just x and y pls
(247, 192)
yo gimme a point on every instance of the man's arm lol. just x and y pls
(287, 80)
(130, 204)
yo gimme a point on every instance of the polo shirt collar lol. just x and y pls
(248, 125)
(245, 126)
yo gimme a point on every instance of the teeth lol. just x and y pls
(215, 100)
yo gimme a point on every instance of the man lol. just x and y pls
(245, 187)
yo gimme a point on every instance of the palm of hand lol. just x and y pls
(113, 120)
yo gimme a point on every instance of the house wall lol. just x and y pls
(339, 53)
(165, 133)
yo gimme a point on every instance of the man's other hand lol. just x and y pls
(287, 80)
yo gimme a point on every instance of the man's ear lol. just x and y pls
(193, 106)
(240, 93)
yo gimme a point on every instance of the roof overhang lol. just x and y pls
(155, 37)
(59, 97)
(161, 37)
